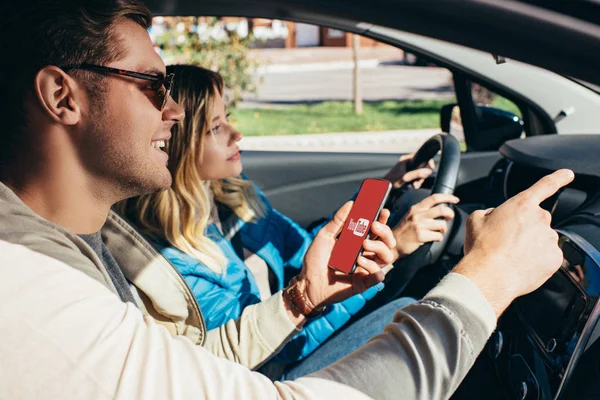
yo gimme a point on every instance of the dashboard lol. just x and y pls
(542, 338)
(546, 344)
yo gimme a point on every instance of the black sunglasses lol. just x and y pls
(161, 85)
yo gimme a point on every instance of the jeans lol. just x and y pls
(347, 340)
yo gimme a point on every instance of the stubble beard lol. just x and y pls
(119, 161)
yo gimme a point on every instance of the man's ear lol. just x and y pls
(59, 95)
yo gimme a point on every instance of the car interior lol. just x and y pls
(546, 344)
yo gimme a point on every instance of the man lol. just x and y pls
(88, 135)
(84, 316)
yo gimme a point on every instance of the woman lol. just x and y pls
(232, 247)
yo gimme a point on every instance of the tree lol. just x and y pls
(209, 43)
(358, 107)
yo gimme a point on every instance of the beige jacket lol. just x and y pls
(64, 335)
(164, 294)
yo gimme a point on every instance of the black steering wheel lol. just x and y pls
(401, 199)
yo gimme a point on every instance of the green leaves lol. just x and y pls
(213, 44)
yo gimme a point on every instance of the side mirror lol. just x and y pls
(493, 126)
(446, 116)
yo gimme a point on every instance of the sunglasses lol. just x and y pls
(161, 85)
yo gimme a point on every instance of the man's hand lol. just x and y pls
(512, 250)
(420, 226)
(399, 175)
(324, 286)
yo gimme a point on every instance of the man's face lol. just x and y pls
(122, 130)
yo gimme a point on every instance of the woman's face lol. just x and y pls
(221, 158)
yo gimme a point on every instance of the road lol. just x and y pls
(377, 83)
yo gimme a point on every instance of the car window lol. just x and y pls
(308, 88)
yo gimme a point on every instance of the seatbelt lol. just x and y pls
(229, 222)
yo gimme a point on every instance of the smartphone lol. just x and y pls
(369, 202)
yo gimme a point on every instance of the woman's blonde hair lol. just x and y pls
(180, 214)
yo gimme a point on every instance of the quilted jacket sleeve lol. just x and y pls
(317, 330)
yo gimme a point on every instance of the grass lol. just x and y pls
(338, 116)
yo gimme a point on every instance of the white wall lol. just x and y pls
(307, 35)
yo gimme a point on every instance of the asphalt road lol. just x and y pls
(296, 85)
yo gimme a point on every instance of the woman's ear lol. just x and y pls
(59, 95)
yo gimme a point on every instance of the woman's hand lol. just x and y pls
(399, 175)
(322, 285)
(420, 225)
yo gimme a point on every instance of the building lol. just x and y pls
(270, 33)
(304, 35)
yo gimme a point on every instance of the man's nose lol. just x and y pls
(173, 111)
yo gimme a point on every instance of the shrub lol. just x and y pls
(208, 42)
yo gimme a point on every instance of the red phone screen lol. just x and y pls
(369, 202)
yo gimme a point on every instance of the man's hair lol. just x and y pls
(38, 33)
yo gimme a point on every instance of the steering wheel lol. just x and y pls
(401, 199)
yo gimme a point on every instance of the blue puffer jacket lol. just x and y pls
(281, 243)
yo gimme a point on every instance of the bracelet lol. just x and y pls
(299, 302)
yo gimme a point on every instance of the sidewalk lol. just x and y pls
(304, 55)
(323, 58)
(401, 141)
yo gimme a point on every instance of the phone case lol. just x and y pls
(369, 202)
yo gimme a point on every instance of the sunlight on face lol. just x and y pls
(130, 121)
(221, 157)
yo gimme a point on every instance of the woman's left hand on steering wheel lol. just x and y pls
(399, 176)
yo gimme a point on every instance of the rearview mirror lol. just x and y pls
(500, 59)
(493, 126)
